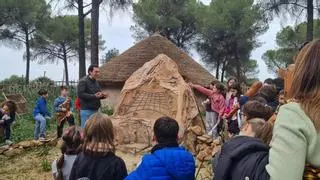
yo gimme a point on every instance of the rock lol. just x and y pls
(13, 152)
(216, 141)
(3, 149)
(215, 150)
(26, 144)
(155, 90)
(205, 139)
(197, 130)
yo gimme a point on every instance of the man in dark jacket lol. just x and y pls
(90, 94)
(242, 158)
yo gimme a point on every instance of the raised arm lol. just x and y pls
(201, 89)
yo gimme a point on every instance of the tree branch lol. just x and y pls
(88, 12)
(87, 5)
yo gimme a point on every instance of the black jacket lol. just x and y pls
(87, 88)
(242, 158)
(98, 168)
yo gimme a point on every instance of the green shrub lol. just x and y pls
(46, 166)
(14, 79)
(43, 80)
(107, 110)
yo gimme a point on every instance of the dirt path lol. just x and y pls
(36, 164)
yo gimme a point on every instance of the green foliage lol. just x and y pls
(173, 19)
(14, 79)
(289, 40)
(229, 30)
(43, 80)
(43, 150)
(21, 23)
(107, 110)
(57, 39)
(296, 9)
(109, 55)
(46, 165)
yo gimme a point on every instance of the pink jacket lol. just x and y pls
(218, 103)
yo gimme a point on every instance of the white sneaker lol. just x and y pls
(42, 139)
(8, 142)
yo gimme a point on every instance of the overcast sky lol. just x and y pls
(117, 34)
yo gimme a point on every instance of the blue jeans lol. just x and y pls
(85, 115)
(40, 126)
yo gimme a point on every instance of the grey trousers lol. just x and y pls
(211, 123)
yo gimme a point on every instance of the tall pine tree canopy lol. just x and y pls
(288, 40)
(173, 19)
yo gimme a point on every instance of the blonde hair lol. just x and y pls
(98, 135)
(306, 81)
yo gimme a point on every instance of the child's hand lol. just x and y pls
(1, 121)
(191, 85)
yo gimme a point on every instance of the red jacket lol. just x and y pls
(218, 103)
(77, 104)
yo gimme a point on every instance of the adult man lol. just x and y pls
(90, 94)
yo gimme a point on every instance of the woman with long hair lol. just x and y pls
(71, 147)
(98, 160)
(296, 135)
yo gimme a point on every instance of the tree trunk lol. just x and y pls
(81, 36)
(310, 20)
(95, 32)
(217, 68)
(27, 56)
(65, 62)
(223, 70)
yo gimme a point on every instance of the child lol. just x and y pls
(70, 148)
(246, 155)
(39, 113)
(7, 116)
(255, 109)
(63, 107)
(215, 94)
(98, 160)
(232, 105)
(167, 160)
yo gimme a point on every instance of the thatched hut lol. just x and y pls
(117, 70)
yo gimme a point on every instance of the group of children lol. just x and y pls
(90, 154)
(227, 106)
(63, 108)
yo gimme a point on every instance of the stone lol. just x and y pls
(202, 138)
(26, 144)
(13, 152)
(197, 130)
(155, 90)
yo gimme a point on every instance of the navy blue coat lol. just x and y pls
(173, 163)
(242, 158)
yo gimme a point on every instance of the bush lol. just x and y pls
(46, 166)
(107, 110)
(43, 80)
(14, 79)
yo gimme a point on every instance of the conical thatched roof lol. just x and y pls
(120, 68)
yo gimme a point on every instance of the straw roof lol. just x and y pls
(120, 68)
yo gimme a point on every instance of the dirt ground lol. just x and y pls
(35, 164)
